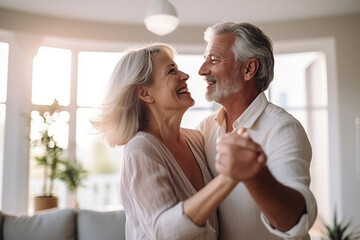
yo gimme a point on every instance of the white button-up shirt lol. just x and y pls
(288, 151)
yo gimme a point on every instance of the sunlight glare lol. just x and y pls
(94, 72)
(51, 76)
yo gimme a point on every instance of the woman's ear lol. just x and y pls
(251, 67)
(144, 94)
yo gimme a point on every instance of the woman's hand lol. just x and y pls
(238, 156)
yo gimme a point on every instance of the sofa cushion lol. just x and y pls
(52, 224)
(94, 225)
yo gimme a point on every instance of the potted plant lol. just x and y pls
(340, 231)
(52, 158)
(72, 174)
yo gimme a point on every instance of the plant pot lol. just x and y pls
(45, 202)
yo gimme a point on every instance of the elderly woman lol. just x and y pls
(166, 187)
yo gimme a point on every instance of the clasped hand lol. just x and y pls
(238, 156)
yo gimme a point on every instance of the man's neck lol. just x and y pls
(235, 105)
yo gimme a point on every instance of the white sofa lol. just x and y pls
(64, 224)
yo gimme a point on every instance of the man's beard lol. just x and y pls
(225, 88)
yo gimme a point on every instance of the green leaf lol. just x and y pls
(340, 230)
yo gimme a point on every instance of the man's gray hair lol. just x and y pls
(250, 42)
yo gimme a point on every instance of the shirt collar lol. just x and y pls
(249, 116)
(220, 116)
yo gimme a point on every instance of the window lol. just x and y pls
(4, 56)
(102, 191)
(300, 87)
(51, 76)
(51, 80)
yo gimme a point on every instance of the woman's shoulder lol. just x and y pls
(192, 134)
(145, 148)
(143, 141)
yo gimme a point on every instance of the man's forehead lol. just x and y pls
(220, 43)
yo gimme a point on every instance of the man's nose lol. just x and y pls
(204, 70)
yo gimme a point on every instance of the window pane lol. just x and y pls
(4, 58)
(94, 72)
(51, 76)
(101, 191)
(288, 86)
(59, 129)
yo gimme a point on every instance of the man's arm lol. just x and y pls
(242, 159)
(282, 205)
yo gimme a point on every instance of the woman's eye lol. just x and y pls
(171, 71)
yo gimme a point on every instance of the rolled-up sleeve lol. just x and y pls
(289, 157)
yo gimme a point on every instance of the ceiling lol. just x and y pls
(191, 12)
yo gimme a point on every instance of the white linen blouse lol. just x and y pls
(153, 188)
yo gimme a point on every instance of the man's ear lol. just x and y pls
(251, 67)
(144, 94)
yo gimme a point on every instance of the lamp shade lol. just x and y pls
(161, 18)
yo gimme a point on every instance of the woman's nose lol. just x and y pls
(184, 76)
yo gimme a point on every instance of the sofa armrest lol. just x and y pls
(93, 225)
(52, 224)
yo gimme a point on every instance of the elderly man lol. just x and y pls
(273, 199)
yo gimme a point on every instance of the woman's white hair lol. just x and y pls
(122, 114)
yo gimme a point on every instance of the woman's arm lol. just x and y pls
(200, 206)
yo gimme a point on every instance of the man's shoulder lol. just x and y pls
(278, 114)
(275, 119)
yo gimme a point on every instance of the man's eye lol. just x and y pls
(215, 60)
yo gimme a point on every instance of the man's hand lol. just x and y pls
(238, 156)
